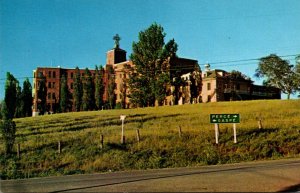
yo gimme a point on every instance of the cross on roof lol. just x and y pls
(117, 40)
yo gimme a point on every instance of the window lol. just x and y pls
(40, 74)
(72, 74)
(49, 96)
(53, 84)
(49, 74)
(208, 98)
(49, 84)
(208, 86)
(53, 96)
(54, 74)
(71, 85)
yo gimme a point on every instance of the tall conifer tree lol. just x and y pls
(65, 95)
(77, 90)
(99, 87)
(88, 99)
(42, 94)
(27, 98)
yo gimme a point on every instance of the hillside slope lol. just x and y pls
(160, 144)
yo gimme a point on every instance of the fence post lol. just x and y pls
(18, 151)
(59, 147)
(123, 141)
(138, 135)
(179, 131)
(101, 141)
(259, 124)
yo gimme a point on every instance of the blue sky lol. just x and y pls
(70, 33)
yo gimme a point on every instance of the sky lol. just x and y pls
(70, 33)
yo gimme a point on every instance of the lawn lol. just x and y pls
(161, 144)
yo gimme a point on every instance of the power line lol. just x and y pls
(191, 68)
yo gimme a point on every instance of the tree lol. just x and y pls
(148, 79)
(10, 98)
(111, 87)
(298, 72)
(99, 87)
(19, 103)
(88, 98)
(278, 73)
(42, 94)
(77, 90)
(8, 131)
(26, 98)
(65, 96)
(7, 125)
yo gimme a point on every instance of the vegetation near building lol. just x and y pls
(99, 87)
(279, 73)
(26, 99)
(111, 88)
(78, 90)
(8, 109)
(65, 96)
(88, 97)
(155, 75)
(149, 78)
(42, 94)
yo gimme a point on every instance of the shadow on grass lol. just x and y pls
(295, 188)
(259, 131)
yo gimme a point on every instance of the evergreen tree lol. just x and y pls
(65, 96)
(10, 98)
(8, 131)
(26, 98)
(88, 99)
(7, 125)
(149, 78)
(111, 87)
(77, 90)
(99, 87)
(42, 94)
(19, 103)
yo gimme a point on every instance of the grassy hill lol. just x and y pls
(160, 145)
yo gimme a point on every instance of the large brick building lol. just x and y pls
(211, 86)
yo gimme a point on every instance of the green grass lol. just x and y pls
(160, 144)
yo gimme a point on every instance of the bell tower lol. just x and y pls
(116, 55)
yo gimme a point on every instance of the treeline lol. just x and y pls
(17, 101)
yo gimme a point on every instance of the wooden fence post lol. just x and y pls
(101, 141)
(259, 124)
(179, 131)
(18, 151)
(123, 141)
(138, 135)
(59, 147)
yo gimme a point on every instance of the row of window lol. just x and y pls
(51, 96)
(52, 74)
(237, 86)
(51, 84)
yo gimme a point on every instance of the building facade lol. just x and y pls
(188, 84)
(219, 85)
